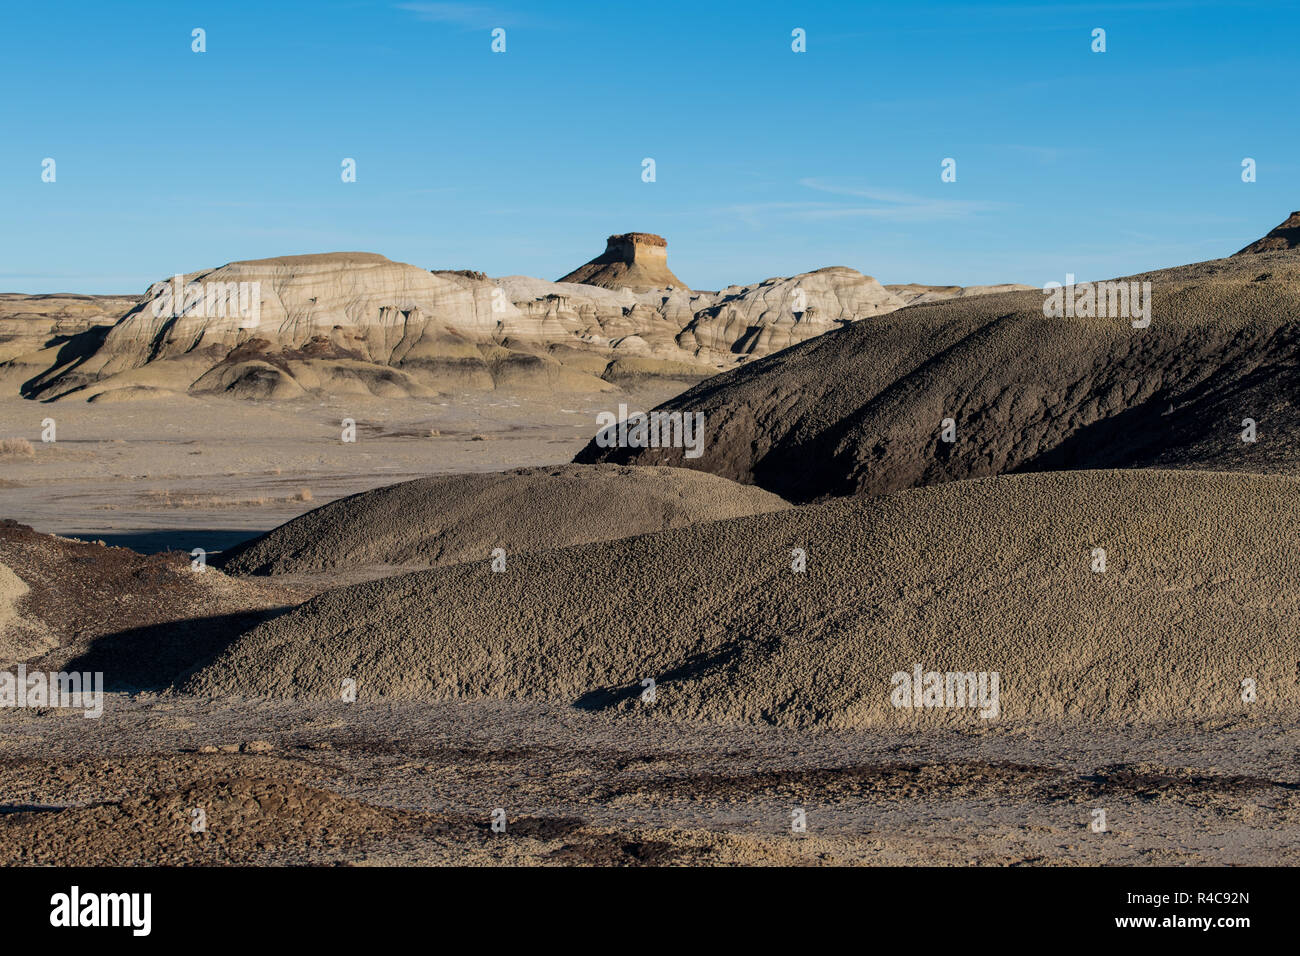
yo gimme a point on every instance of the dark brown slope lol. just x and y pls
(68, 605)
(1286, 236)
(859, 410)
(990, 575)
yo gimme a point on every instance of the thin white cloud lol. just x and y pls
(889, 205)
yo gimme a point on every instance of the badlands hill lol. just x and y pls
(356, 323)
(141, 619)
(338, 323)
(454, 518)
(861, 409)
(1200, 591)
(774, 314)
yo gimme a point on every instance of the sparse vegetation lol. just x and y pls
(16, 448)
(166, 498)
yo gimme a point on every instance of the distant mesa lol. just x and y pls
(1286, 236)
(356, 323)
(632, 260)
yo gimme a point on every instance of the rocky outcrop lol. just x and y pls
(342, 323)
(777, 313)
(358, 323)
(632, 260)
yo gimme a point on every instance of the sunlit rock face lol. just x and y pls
(632, 260)
(358, 323)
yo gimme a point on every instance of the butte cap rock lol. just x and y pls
(633, 260)
(1286, 236)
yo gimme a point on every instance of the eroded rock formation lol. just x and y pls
(632, 260)
(358, 323)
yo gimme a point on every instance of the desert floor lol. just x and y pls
(288, 783)
(285, 782)
(153, 475)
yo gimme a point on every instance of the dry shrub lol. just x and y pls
(16, 448)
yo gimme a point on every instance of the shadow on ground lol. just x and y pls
(156, 656)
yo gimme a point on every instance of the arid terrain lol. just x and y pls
(362, 581)
(416, 783)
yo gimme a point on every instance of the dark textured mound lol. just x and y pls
(454, 518)
(140, 619)
(1200, 592)
(860, 409)
(1286, 236)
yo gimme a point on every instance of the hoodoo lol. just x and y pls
(633, 260)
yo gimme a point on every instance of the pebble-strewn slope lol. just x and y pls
(1201, 591)
(453, 518)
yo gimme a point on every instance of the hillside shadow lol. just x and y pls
(158, 656)
(602, 698)
(1119, 441)
(74, 350)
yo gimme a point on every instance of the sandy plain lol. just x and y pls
(208, 472)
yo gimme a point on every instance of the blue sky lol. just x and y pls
(768, 162)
